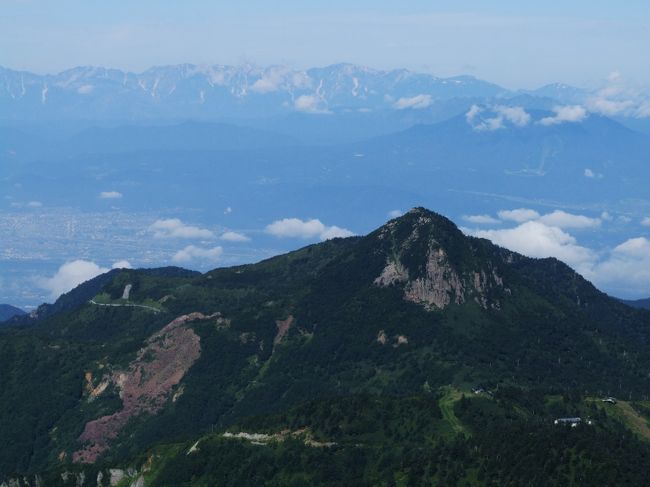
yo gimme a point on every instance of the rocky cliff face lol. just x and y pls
(431, 278)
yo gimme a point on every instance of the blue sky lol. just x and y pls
(514, 43)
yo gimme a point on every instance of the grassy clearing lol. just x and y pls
(446, 403)
(634, 420)
(625, 413)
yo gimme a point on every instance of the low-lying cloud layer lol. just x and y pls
(234, 237)
(536, 239)
(310, 104)
(618, 98)
(175, 228)
(73, 273)
(494, 118)
(305, 229)
(414, 102)
(193, 253)
(565, 114)
(623, 269)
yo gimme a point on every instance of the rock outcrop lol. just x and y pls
(431, 278)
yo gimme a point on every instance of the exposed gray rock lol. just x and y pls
(116, 476)
(139, 482)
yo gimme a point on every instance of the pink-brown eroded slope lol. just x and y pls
(147, 383)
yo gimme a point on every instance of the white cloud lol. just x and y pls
(227, 211)
(557, 218)
(535, 239)
(301, 80)
(472, 113)
(395, 213)
(175, 228)
(122, 264)
(310, 104)
(500, 117)
(415, 102)
(85, 89)
(234, 237)
(481, 219)
(562, 219)
(490, 124)
(110, 195)
(622, 270)
(634, 247)
(335, 232)
(626, 269)
(69, 276)
(608, 107)
(570, 114)
(192, 252)
(265, 85)
(297, 228)
(592, 175)
(271, 80)
(605, 216)
(646, 221)
(519, 215)
(618, 98)
(294, 227)
(34, 204)
(515, 115)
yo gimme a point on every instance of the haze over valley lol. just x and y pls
(230, 151)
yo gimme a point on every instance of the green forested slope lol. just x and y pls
(371, 343)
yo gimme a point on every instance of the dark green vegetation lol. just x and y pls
(354, 380)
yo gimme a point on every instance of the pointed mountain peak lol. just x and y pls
(420, 223)
(436, 264)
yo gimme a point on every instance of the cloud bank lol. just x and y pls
(110, 195)
(234, 237)
(565, 114)
(175, 228)
(497, 117)
(536, 239)
(310, 104)
(73, 273)
(193, 253)
(415, 102)
(623, 269)
(305, 229)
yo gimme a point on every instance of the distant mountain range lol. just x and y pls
(189, 91)
(7, 312)
(639, 303)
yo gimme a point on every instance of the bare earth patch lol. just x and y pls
(283, 329)
(147, 383)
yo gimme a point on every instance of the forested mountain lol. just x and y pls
(414, 355)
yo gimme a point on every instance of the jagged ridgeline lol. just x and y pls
(412, 356)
